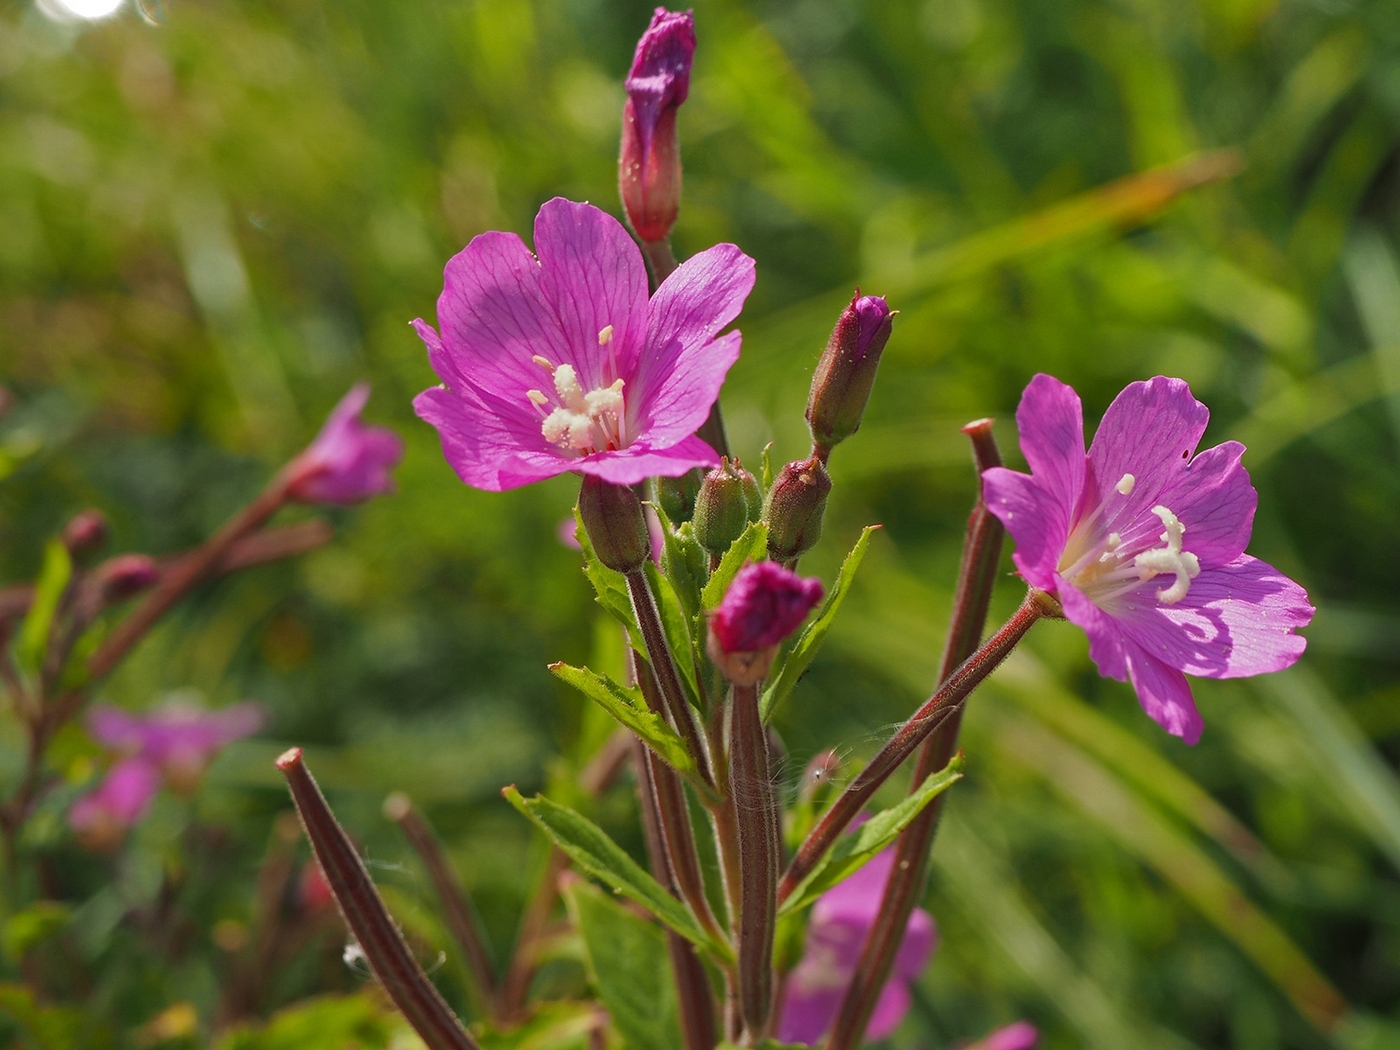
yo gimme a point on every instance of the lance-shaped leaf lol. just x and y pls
(54, 575)
(627, 706)
(384, 947)
(752, 545)
(609, 585)
(677, 627)
(804, 650)
(851, 851)
(683, 561)
(590, 848)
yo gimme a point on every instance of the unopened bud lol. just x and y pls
(649, 167)
(676, 496)
(722, 507)
(85, 533)
(125, 576)
(796, 503)
(763, 605)
(846, 372)
(753, 495)
(617, 529)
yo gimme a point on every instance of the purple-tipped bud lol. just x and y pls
(1019, 1036)
(617, 529)
(125, 576)
(795, 507)
(348, 462)
(85, 533)
(722, 508)
(649, 167)
(763, 605)
(846, 372)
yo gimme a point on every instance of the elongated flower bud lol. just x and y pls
(722, 508)
(612, 516)
(85, 533)
(125, 576)
(795, 507)
(763, 605)
(649, 168)
(846, 372)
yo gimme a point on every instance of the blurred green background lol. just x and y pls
(215, 217)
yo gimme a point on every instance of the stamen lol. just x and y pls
(537, 396)
(543, 362)
(605, 336)
(584, 422)
(1125, 484)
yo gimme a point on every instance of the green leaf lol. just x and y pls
(677, 627)
(557, 1025)
(33, 640)
(592, 850)
(609, 585)
(851, 851)
(31, 927)
(804, 650)
(628, 707)
(630, 966)
(752, 545)
(683, 561)
(48, 1027)
(327, 1023)
(766, 474)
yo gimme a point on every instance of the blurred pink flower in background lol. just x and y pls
(101, 819)
(179, 739)
(348, 462)
(1019, 1036)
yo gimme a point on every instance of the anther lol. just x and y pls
(1125, 484)
(543, 362)
(537, 396)
(605, 336)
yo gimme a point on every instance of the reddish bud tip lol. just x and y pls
(796, 504)
(649, 167)
(85, 533)
(846, 372)
(125, 576)
(289, 759)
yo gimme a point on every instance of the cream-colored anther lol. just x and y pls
(538, 397)
(1184, 565)
(1125, 484)
(543, 362)
(605, 336)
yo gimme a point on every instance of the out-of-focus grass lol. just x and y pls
(214, 220)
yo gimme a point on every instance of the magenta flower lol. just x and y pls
(101, 818)
(348, 462)
(560, 363)
(1019, 1036)
(763, 605)
(1143, 544)
(841, 920)
(649, 167)
(179, 740)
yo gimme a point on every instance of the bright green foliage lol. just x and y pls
(628, 707)
(33, 640)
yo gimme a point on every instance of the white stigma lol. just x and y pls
(1184, 565)
(1125, 484)
(585, 422)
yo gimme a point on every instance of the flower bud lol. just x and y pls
(722, 507)
(753, 495)
(676, 496)
(796, 503)
(846, 371)
(649, 168)
(348, 462)
(763, 605)
(617, 529)
(125, 576)
(85, 533)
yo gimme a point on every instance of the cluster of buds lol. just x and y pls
(728, 500)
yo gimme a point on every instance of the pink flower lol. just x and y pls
(763, 605)
(180, 740)
(1143, 544)
(101, 819)
(649, 169)
(348, 462)
(1019, 1036)
(841, 920)
(560, 363)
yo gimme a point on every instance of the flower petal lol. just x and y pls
(1164, 694)
(1214, 499)
(1050, 422)
(920, 938)
(1037, 520)
(1150, 431)
(490, 445)
(638, 462)
(593, 275)
(685, 384)
(890, 1009)
(1236, 620)
(495, 318)
(1106, 636)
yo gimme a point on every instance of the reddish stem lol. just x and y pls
(384, 947)
(756, 813)
(976, 579)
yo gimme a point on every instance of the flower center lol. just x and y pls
(586, 422)
(1104, 568)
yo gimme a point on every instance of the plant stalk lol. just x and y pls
(756, 811)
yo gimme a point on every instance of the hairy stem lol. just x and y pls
(976, 579)
(934, 712)
(756, 813)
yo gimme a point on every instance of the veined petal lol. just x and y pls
(593, 276)
(489, 446)
(1050, 423)
(639, 461)
(1236, 620)
(1150, 432)
(687, 382)
(494, 318)
(1106, 638)
(1214, 499)
(1037, 520)
(1164, 694)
